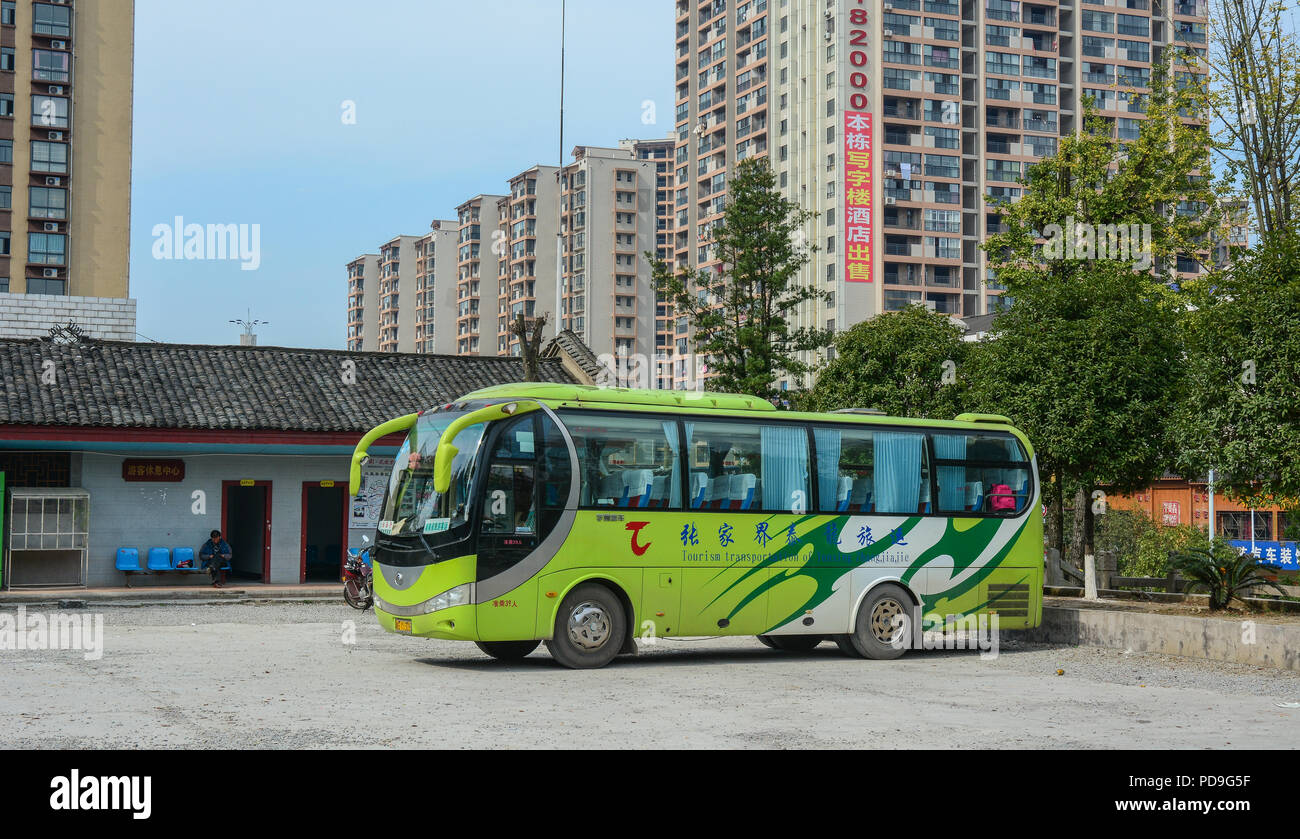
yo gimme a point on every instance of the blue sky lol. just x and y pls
(238, 119)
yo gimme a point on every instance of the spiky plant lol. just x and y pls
(1222, 572)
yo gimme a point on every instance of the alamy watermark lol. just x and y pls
(58, 631)
(179, 240)
(1117, 242)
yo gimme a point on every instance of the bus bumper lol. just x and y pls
(454, 624)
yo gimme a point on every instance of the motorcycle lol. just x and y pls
(357, 589)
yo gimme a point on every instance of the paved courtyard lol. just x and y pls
(280, 675)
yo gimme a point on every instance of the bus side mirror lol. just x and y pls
(442, 459)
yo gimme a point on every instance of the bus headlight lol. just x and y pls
(451, 597)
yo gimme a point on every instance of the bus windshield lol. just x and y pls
(412, 506)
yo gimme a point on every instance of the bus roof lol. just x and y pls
(623, 395)
(559, 395)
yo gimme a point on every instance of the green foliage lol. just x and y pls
(1142, 547)
(1153, 557)
(1087, 359)
(1086, 365)
(1291, 527)
(1254, 64)
(895, 363)
(1121, 532)
(1222, 572)
(741, 315)
(1241, 411)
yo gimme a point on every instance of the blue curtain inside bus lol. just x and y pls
(898, 471)
(828, 465)
(952, 479)
(675, 491)
(785, 467)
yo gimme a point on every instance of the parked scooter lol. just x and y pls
(357, 572)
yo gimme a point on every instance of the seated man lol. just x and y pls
(215, 555)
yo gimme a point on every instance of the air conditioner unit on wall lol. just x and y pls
(890, 200)
(53, 181)
(59, 45)
(57, 89)
(51, 226)
(50, 272)
(54, 135)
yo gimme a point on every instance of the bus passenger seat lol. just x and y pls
(612, 489)
(719, 492)
(699, 486)
(637, 484)
(860, 497)
(741, 491)
(659, 491)
(842, 494)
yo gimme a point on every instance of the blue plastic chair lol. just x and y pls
(128, 559)
(180, 555)
(160, 559)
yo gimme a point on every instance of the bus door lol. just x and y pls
(525, 487)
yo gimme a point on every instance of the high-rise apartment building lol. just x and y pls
(896, 122)
(479, 241)
(436, 263)
(363, 303)
(397, 281)
(65, 146)
(459, 288)
(525, 252)
(611, 219)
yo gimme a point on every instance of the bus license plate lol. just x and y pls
(401, 625)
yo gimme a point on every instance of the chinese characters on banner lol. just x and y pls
(1278, 554)
(1171, 513)
(166, 471)
(857, 197)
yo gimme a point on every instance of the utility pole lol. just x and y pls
(559, 178)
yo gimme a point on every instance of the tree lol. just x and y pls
(741, 314)
(903, 363)
(530, 342)
(1241, 411)
(1087, 358)
(1088, 368)
(1254, 68)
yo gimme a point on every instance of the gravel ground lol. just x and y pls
(280, 676)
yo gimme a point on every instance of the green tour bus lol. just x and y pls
(589, 517)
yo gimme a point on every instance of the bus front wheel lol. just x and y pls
(882, 628)
(507, 650)
(590, 628)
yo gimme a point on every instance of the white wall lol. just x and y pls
(145, 515)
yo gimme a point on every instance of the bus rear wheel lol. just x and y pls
(882, 628)
(791, 643)
(590, 628)
(507, 650)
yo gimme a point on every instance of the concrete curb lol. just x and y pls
(145, 597)
(1212, 639)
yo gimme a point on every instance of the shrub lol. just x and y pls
(1142, 548)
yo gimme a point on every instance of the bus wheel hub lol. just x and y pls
(588, 625)
(886, 620)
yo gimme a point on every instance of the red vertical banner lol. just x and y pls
(858, 228)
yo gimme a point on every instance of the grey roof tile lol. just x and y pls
(123, 384)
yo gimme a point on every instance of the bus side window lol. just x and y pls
(845, 470)
(981, 474)
(626, 461)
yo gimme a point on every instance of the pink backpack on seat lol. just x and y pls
(1001, 498)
